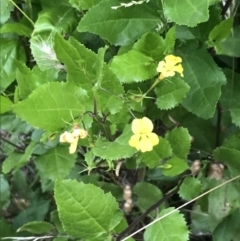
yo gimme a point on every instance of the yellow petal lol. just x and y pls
(153, 138)
(134, 141)
(73, 146)
(136, 126)
(145, 144)
(147, 125)
(173, 59)
(67, 137)
(161, 66)
(179, 69)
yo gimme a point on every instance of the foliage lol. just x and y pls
(115, 115)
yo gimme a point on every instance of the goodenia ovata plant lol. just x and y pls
(113, 112)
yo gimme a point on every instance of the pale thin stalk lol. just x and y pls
(24, 14)
(185, 204)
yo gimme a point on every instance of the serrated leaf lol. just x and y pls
(117, 26)
(50, 110)
(5, 104)
(56, 163)
(221, 31)
(133, 67)
(161, 151)
(171, 92)
(56, 221)
(177, 166)
(17, 28)
(190, 188)
(163, 229)
(16, 160)
(229, 157)
(186, 12)
(60, 18)
(37, 227)
(25, 79)
(4, 193)
(205, 86)
(82, 204)
(180, 141)
(148, 194)
(10, 50)
(154, 46)
(117, 149)
(235, 115)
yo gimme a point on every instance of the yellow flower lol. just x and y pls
(168, 67)
(143, 138)
(72, 138)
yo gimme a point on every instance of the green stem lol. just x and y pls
(153, 85)
(24, 14)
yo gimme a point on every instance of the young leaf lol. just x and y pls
(50, 110)
(186, 12)
(117, 149)
(37, 227)
(180, 141)
(204, 85)
(161, 151)
(147, 194)
(190, 188)
(82, 204)
(56, 163)
(133, 67)
(17, 28)
(5, 104)
(170, 228)
(121, 26)
(170, 93)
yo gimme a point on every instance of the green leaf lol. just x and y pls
(170, 93)
(60, 18)
(4, 193)
(117, 149)
(177, 167)
(163, 230)
(82, 204)
(83, 5)
(37, 227)
(229, 157)
(221, 31)
(230, 46)
(5, 104)
(10, 50)
(147, 194)
(186, 12)
(6, 229)
(133, 67)
(5, 10)
(17, 28)
(154, 46)
(48, 109)
(204, 85)
(25, 79)
(16, 160)
(161, 151)
(228, 228)
(190, 188)
(117, 26)
(57, 222)
(56, 163)
(180, 141)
